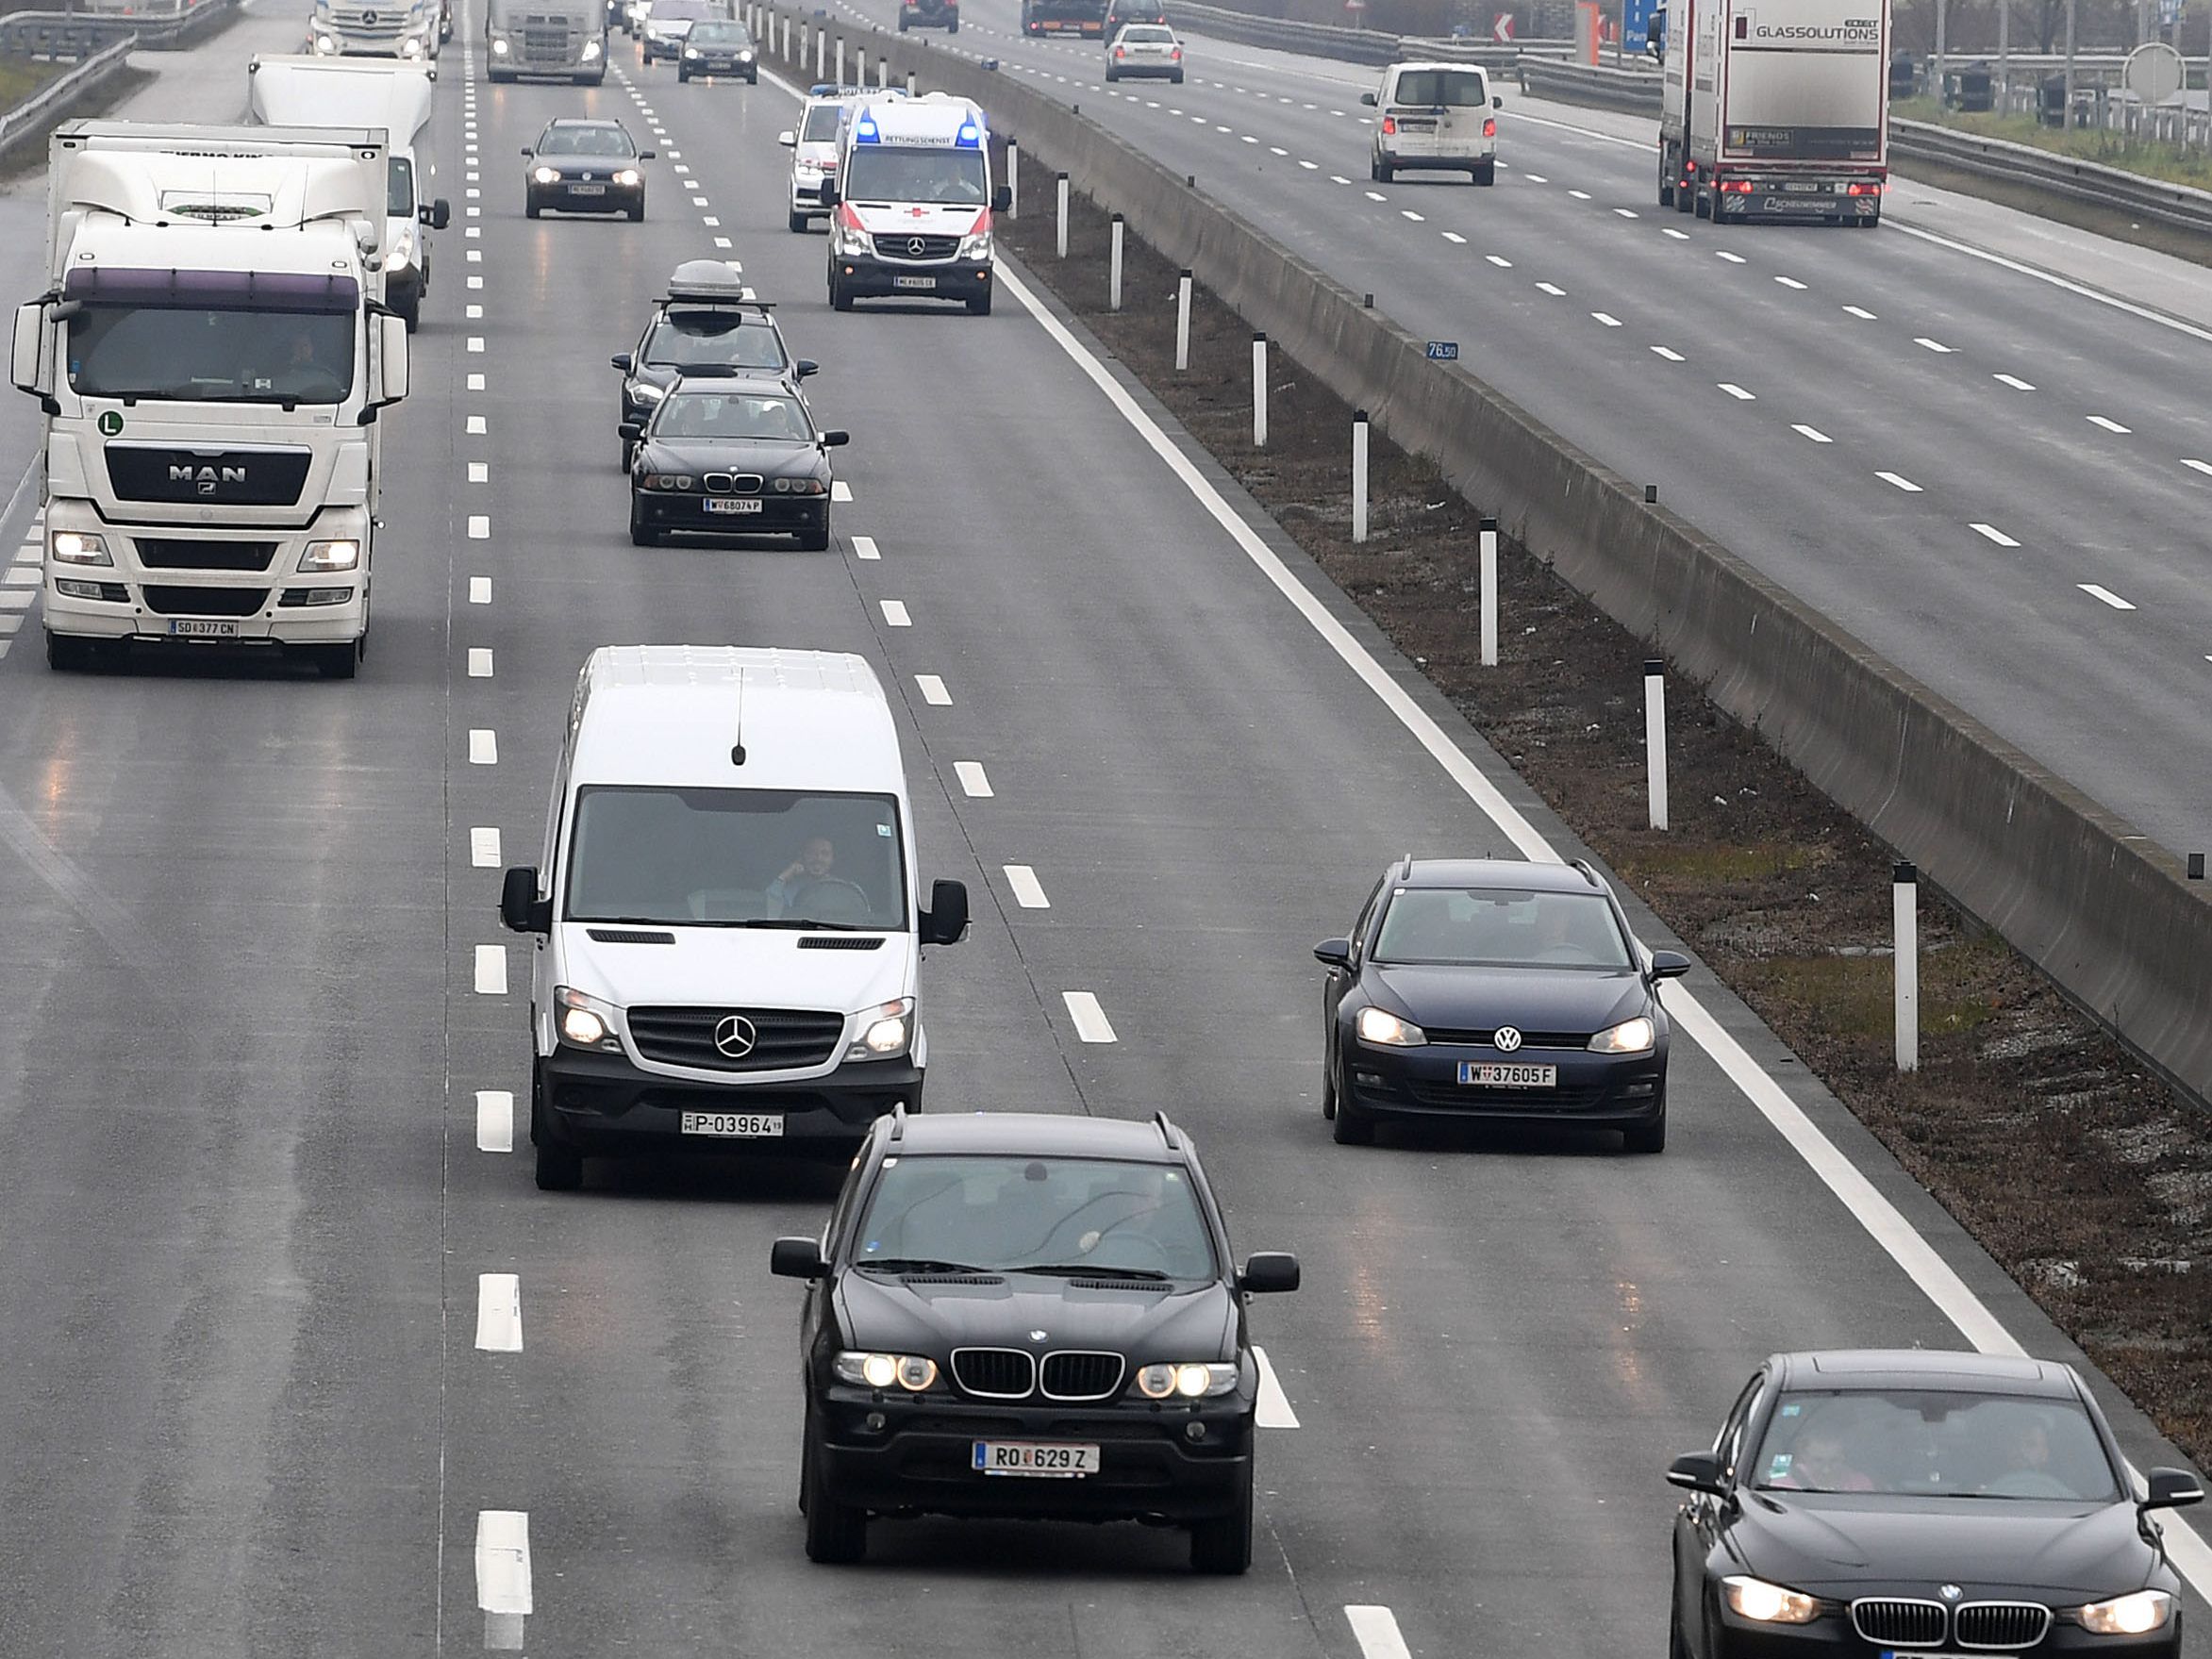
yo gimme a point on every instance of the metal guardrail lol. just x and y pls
(30, 116)
(1347, 46)
(77, 34)
(1998, 159)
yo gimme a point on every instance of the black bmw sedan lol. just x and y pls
(1028, 1316)
(1917, 1502)
(580, 166)
(1494, 988)
(731, 456)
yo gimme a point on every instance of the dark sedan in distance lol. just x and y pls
(1496, 989)
(719, 46)
(1028, 1316)
(585, 166)
(1918, 1502)
(731, 458)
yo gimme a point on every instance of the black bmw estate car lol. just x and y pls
(1020, 1315)
(1922, 1502)
(1494, 988)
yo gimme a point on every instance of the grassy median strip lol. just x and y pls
(2086, 1177)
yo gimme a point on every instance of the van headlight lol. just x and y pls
(884, 1030)
(326, 44)
(77, 547)
(851, 238)
(403, 253)
(584, 1021)
(976, 246)
(330, 556)
(411, 47)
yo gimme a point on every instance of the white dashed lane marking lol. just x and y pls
(491, 970)
(973, 779)
(933, 690)
(2104, 595)
(894, 614)
(1376, 1629)
(495, 1120)
(1812, 432)
(1993, 534)
(864, 547)
(2108, 422)
(2014, 381)
(1934, 345)
(1273, 1410)
(1091, 1023)
(479, 589)
(499, 1313)
(1861, 312)
(483, 747)
(484, 847)
(1027, 890)
(1900, 481)
(479, 662)
(839, 490)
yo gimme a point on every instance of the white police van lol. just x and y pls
(729, 925)
(911, 204)
(815, 141)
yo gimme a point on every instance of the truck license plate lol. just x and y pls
(1493, 1074)
(197, 628)
(1038, 1459)
(734, 1126)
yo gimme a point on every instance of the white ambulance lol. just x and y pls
(912, 203)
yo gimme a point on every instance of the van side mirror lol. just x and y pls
(827, 192)
(520, 906)
(621, 361)
(947, 919)
(1698, 1471)
(1333, 952)
(834, 440)
(796, 1258)
(1668, 964)
(1268, 1272)
(790, 141)
(437, 215)
(1366, 98)
(25, 366)
(2173, 1489)
(1002, 198)
(805, 367)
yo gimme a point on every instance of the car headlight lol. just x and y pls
(1193, 1381)
(645, 391)
(746, 55)
(584, 1021)
(914, 1372)
(691, 51)
(77, 547)
(884, 1031)
(799, 486)
(2128, 1615)
(1765, 1603)
(545, 175)
(330, 556)
(669, 481)
(1381, 1027)
(1631, 1037)
(976, 246)
(627, 177)
(499, 48)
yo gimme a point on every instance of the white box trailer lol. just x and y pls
(1775, 109)
(301, 89)
(211, 353)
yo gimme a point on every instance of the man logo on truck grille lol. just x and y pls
(206, 479)
(734, 1035)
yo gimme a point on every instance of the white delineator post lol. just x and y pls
(1060, 205)
(1013, 179)
(821, 55)
(1359, 475)
(1655, 736)
(914, 83)
(1260, 391)
(1905, 904)
(1182, 323)
(1114, 265)
(840, 61)
(1489, 594)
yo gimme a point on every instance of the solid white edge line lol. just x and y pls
(1881, 1220)
(1091, 1023)
(495, 1120)
(1376, 1630)
(1273, 1408)
(503, 1561)
(484, 848)
(491, 970)
(1028, 891)
(499, 1313)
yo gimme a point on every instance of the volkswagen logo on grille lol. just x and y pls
(916, 246)
(734, 1035)
(1951, 1592)
(1508, 1039)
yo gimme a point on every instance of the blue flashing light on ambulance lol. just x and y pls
(911, 204)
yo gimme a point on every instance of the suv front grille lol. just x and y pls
(204, 602)
(995, 1373)
(1996, 1626)
(1076, 1374)
(1900, 1624)
(780, 1039)
(163, 553)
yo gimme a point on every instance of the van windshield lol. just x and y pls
(736, 858)
(821, 124)
(878, 173)
(1461, 88)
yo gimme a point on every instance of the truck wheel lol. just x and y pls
(979, 305)
(1487, 171)
(1700, 204)
(337, 662)
(1684, 194)
(1666, 183)
(69, 652)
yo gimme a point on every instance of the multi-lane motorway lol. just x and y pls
(2000, 482)
(294, 1359)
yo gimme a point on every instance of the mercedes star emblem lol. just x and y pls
(734, 1035)
(916, 246)
(1508, 1039)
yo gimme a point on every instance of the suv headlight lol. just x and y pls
(1193, 1381)
(1631, 1037)
(584, 1021)
(645, 392)
(330, 556)
(1765, 1603)
(2127, 1616)
(77, 547)
(1384, 1028)
(884, 1031)
(691, 51)
(746, 55)
(914, 1372)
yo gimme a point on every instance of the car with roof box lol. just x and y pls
(1029, 1316)
(707, 325)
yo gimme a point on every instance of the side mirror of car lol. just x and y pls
(630, 431)
(646, 155)
(1267, 1272)
(520, 906)
(1366, 98)
(790, 141)
(797, 1258)
(834, 438)
(947, 919)
(1002, 198)
(2173, 1489)
(1668, 964)
(805, 367)
(622, 360)
(1333, 952)
(1698, 1471)
(527, 152)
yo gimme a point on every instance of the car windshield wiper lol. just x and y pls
(900, 1264)
(1086, 1270)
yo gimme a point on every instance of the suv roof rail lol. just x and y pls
(898, 1123)
(1588, 875)
(1406, 867)
(1169, 1133)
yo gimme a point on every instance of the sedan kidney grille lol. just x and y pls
(2001, 1626)
(995, 1373)
(1900, 1624)
(1078, 1374)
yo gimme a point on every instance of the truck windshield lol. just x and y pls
(211, 356)
(878, 173)
(1459, 88)
(399, 191)
(736, 858)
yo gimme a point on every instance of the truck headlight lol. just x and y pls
(499, 48)
(1384, 1028)
(591, 50)
(584, 1021)
(884, 1030)
(545, 175)
(330, 556)
(1207, 1381)
(77, 547)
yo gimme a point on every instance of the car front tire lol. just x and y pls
(1223, 1544)
(1646, 1138)
(837, 1534)
(798, 224)
(1353, 1124)
(530, 207)
(817, 538)
(641, 534)
(637, 212)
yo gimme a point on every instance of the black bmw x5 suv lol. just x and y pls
(1021, 1314)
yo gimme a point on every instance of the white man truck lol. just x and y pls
(211, 353)
(1775, 109)
(303, 91)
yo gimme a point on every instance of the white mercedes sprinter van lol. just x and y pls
(729, 920)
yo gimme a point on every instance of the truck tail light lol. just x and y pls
(1864, 189)
(1736, 187)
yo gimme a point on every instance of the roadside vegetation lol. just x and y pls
(2166, 162)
